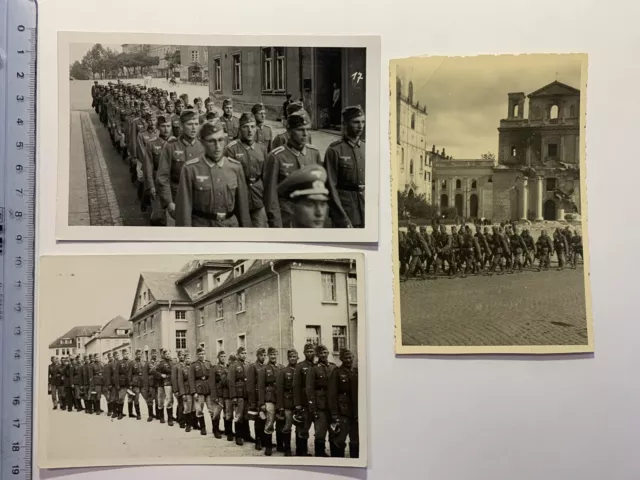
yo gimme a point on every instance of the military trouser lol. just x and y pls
(288, 421)
(302, 431)
(136, 395)
(151, 396)
(545, 260)
(415, 264)
(228, 409)
(54, 395)
(528, 258)
(199, 403)
(321, 425)
(122, 395)
(496, 260)
(517, 259)
(98, 392)
(60, 396)
(348, 427)
(259, 218)
(158, 214)
(561, 258)
(165, 398)
(270, 421)
(68, 397)
(114, 394)
(241, 410)
(187, 404)
(574, 259)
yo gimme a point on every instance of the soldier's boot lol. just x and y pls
(187, 421)
(131, 413)
(228, 428)
(301, 447)
(286, 442)
(334, 450)
(196, 423)
(238, 430)
(279, 440)
(96, 407)
(268, 444)
(109, 409)
(157, 413)
(354, 450)
(260, 435)
(70, 405)
(137, 409)
(320, 450)
(120, 411)
(203, 426)
(170, 418)
(150, 410)
(88, 407)
(216, 427)
(181, 417)
(247, 432)
(161, 415)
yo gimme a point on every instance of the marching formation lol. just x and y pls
(196, 168)
(275, 397)
(503, 247)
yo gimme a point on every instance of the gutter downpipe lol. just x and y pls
(271, 264)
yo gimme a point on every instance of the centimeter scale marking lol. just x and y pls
(17, 234)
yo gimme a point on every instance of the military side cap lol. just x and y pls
(187, 115)
(291, 351)
(221, 352)
(260, 351)
(352, 112)
(298, 119)
(258, 107)
(210, 128)
(246, 118)
(148, 116)
(294, 107)
(307, 182)
(344, 352)
(211, 116)
(309, 346)
(138, 351)
(320, 348)
(163, 119)
(241, 350)
(271, 350)
(227, 101)
(153, 350)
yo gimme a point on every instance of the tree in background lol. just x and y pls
(79, 71)
(93, 58)
(488, 156)
(415, 205)
(107, 63)
(173, 60)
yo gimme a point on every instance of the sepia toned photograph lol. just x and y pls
(159, 132)
(490, 211)
(174, 359)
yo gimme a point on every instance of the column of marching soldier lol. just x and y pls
(275, 397)
(504, 247)
(195, 168)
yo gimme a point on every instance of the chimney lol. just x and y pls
(443, 152)
(433, 148)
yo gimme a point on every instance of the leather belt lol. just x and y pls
(212, 216)
(355, 188)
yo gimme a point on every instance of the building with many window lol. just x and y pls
(73, 342)
(132, 47)
(415, 163)
(194, 62)
(222, 305)
(265, 75)
(162, 70)
(112, 336)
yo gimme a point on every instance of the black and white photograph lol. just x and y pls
(490, 240)
(239, 133)
(173, 359)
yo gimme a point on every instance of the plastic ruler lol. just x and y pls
(17, 233)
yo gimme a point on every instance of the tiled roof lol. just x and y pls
(81, 331)
(109, 330)
(163, 286)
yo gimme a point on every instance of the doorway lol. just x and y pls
(459, 205)
(549, 210)
(444, 201)
(329, 87)
(473, 205)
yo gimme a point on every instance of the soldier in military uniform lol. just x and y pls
(165, 393)
(499, 251)
(212, 190)
(442, 250)
(138, 125)
(151, 385)
(136, 382)
(576, 249)
(251, 155)
(217, 381)
(153, 149)
(252, 394)
(174, 118)
(518, 248)
(57, 391)
(301, 401)
(267, 399)
(67, 382)
(106, 390)
(531, 248)
(417, 246)
(284, 399)
(284, 160)
(52, 365)
(85, 385)
(264, 135)
(283, 138)
(228, 400)
(119, 382)
(209, 106)
(470, 252)
(76, 383)
(317, 383)
(199, 373)
(229, 122)
(184, 393)
(544, 247)
(345, 164)
(96, 383)
(561, 248)
(238, 392)
(175, 387)
(343, 406)
(307, 196)
(174, 155)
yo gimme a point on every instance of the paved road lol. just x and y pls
(530, 308)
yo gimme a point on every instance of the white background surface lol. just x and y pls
(451, 418)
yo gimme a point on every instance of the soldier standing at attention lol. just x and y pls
(228, 400)
(345, 164)
(58, 384)
(174, 155)
(217, 381)
(136, 383)
(199, 373)
(301, 401)
(252, 394)
(175, 387)
(151, 385)
(67, 382)
(51, 370)
(343, 406)
(229, 122)
(163, 381)
(283, 161)
(264, 135)
(267, 398)
(120, 382)
(251, 155)
(284, 398)
(212, 190)
(185, 394)
(317, 383)
(86, 390)
(96, 383)
(76, 383)
(238, 392)
(107, 385)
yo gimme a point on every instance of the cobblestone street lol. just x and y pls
(530, 308)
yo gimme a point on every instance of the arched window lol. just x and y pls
(443, 184)
(411, 167)
(553, 113)
(458, 183)
(474, 184)
(413, 121)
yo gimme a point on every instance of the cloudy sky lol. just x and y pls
(77, 50)
(467, 96)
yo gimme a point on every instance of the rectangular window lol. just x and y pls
(328, 287)
(146, 326)
(267, 69)
(217, 79)
(201, 344)
(353, 290)
(181, 339)
(195, 56)
(151, 323)
(241, 302)
(200, 317)
(443, 184)
(313, 334)
(219, 310)
(219, 345)
(339, 337)
(551, 184)
(553, 149)
(181, 315)
(239, 270)
(280, 69)
(57, 352)
(242, 340)
(237, 72)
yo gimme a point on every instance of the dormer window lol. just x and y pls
(239, 270)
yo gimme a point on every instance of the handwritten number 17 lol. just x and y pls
(357, 76)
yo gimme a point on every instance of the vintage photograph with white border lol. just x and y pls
(489, 204)
(207, 359)
(293, 114)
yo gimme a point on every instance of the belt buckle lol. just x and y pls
(204, 378)
(221, 216)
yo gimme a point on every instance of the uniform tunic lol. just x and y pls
(282, 139)
(317, 385)
(345, 164)
(137, 126)
(174, 155)
(264, 136)
(218, 382)
(231, 126)
(267, 395)
(212, 194)
(238, 387)
(183, 390)
(252, 158)
(343, 405)
(145, 153)
(252, 384)
(281, 162)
